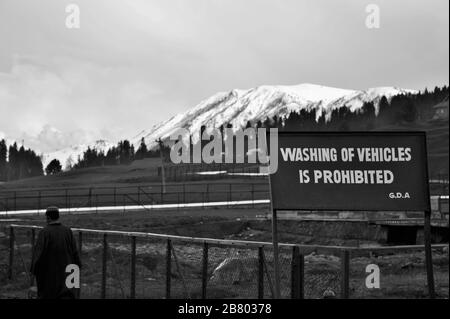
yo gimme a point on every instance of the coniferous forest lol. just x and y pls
(17, 163)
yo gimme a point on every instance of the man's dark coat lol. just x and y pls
(54, 250)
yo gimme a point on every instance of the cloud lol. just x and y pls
(133, 64)
(51, 139)
(76, 96)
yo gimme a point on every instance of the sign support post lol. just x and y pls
(275, 253)
(276, 262)
(427, 232)
(428, 254)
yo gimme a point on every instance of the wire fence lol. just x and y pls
(403, 275)
(70, 198)
(144, 265)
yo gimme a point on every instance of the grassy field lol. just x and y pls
(139, 172)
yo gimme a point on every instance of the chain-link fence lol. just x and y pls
(142, 265)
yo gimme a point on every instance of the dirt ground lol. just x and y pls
(232, 272)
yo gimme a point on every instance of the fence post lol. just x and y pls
(89, 197)
(133, 268)
(205, 270)
(297, 274)
(11, 252)
(301, 271)
(104, 269)
(139, 194)
(253, 195)
(203, 199)
(345, 274)
(80, 243)
(39, 201)
(230, 196)
(168, 267)
(33, 240)
(80, 251)
(260, 273)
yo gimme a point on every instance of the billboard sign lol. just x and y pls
(356, 171)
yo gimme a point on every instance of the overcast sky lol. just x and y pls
(137, 62)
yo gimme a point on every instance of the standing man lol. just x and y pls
(55, 249)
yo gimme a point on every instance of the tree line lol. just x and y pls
(18, 162)
(400, 110)
(122, 154)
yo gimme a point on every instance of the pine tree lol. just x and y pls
(3, 160)
(142, 150)
(13, 162)
(54, 167)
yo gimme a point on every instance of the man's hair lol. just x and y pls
(52, 212)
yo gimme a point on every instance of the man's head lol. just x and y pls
(52, 214)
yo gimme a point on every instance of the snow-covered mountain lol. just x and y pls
(69, 156)
(237, 107)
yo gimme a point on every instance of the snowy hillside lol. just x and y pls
(69, 156)
(237, 107)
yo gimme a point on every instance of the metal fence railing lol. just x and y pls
(119, 264)
(174, 193)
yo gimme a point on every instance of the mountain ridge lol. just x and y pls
(239, 106)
